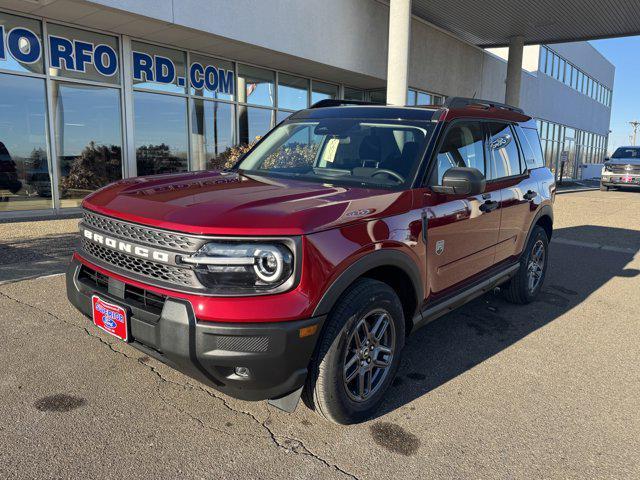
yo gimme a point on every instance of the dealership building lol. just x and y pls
(95, 91)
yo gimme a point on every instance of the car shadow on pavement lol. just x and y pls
(461, 340)
(23, 258)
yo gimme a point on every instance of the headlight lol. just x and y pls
(243, 267)
(606, 168)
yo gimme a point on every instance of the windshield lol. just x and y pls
(378, 154)
(627, 152)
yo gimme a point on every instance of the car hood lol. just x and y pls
(228, 203)
(624, 161)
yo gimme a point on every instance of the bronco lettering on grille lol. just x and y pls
(126, 247)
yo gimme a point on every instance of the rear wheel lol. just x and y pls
(358, 354)
(527, 283)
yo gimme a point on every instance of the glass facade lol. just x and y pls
(561, 144)
(88, 140)
(418, 97)
(160, 128)
(562, 70)
(81, 109)
(25, 181)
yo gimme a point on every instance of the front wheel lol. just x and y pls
(358, 354)
(604, 188)
(527, 282)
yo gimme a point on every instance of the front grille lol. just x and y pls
(234, 343)
(152, 302)
(94, 278)
(635, 169)
(133, 232)
(174, 275)
(139, 297)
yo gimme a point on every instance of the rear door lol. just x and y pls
(518, 192)
(462, 231)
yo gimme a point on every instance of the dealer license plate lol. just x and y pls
(110, 318)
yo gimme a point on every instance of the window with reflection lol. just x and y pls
(160, 131)
(256, 86)
(25, 183)
(411, 97)
(158, 68)
(353, 94)
(503, 150)
(21, 46)
(214, 78)
(213, 134)
(282, 115)
(463, 146)
(293, 92)
(88, 140)
(323, 91)
(253, 123)
(100, 53)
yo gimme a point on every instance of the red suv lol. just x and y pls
(304, 268)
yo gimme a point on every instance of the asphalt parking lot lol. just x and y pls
(550, 390)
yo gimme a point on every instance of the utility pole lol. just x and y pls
(635, 125)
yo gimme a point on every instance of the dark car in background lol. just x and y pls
(8, 173)
(622, 169)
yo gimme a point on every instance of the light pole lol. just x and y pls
(635, 124)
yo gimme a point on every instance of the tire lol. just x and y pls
(604, 188)
(519, 289)
(327, 390)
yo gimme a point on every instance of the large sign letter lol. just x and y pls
(225, 81)
(142, 67)
(2, 56)
(165, 70)
(196, 74)
(24, 45)
(105, 60)
(61, 52)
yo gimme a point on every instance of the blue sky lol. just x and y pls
(623, 53)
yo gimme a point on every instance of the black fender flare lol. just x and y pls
(544, 211)
(378, 258)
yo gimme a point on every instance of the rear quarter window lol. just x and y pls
(531, 147)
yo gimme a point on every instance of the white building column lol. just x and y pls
(514, 71)
(398, 51)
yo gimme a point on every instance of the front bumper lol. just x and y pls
(275, 353)
(620, 180)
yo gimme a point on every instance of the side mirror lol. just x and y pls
(461, 181)
(606, 159)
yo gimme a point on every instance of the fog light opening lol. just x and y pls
(243, 372)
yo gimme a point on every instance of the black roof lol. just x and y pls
(366, 111)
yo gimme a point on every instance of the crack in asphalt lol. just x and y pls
(288, 444)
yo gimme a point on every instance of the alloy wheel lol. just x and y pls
(535, 268)
(369, 355)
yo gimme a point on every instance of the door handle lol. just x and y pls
(530, 195)
(489, 206)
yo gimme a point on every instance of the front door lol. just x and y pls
(518, 191)
(462, 232)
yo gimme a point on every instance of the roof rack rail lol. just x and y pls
(330, 102)
(461, 102)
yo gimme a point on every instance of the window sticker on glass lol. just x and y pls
(329, 153)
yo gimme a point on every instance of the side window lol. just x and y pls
(463, 146)
(530, 142)
(504, 156)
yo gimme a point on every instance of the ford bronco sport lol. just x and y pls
(302, 269)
